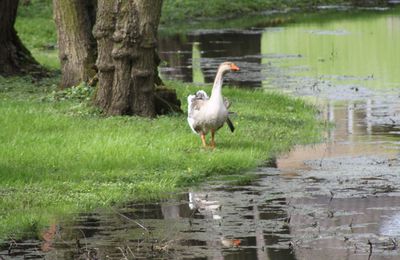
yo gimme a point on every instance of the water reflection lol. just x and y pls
(356, 132)
(108, 235)
(280, 228)
(357, 49)
(194, 57)
(349, 49)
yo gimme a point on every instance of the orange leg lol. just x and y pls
(203, 139)
(212, 138)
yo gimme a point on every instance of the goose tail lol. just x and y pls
(230, 124)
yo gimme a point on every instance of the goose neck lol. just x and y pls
(217, 87)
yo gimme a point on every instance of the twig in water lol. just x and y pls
(394, 242)
(370, 249)
(351, 225)
(332, 195)
(123, 253)
(12, 244)
(134, 221)
(78, 242)
(323, 156)
(287, 220)
(291, 247)
(130, 251)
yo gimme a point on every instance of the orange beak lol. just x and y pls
(234, 67)
(236, 242)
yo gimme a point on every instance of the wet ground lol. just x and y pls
(339, 199)
(337, 208)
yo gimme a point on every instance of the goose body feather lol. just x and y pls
(204, 115)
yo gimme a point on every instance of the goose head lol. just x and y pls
(227, 66)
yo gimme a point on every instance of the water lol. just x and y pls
(335, 200)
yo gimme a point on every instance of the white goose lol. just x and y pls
(209, 114)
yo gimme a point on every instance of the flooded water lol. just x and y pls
(339, 199)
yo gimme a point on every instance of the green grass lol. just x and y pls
(184, 10)
(58, 157)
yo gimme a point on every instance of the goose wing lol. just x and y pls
(195, 102)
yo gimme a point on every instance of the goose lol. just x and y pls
(209, 114)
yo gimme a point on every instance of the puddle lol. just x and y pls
(336, 200)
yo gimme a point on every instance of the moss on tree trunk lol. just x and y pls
(77, 47)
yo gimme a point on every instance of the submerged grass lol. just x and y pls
(60, 156)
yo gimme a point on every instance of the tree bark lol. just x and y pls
(77, 46)
(126, 33)
(15, 59)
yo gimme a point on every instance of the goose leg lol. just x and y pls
(212, 138)
(203, 139)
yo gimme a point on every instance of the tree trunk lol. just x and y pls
(77, 47)
(126, 33)
(15, 59)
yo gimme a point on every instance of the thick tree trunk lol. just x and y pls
(77, 47)
(102, 31)
(15, 59)
(126, 33)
